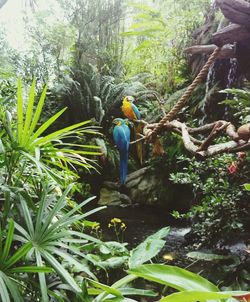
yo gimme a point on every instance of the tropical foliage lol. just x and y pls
(220, 202)
(59, 92)
(160, 33)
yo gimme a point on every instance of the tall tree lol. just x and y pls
(98, 25)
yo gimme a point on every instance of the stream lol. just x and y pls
(142, 221)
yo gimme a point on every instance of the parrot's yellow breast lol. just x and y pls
(128, 110)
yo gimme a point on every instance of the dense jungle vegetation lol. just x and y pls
(62, 81)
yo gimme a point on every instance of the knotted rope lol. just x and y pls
(151, 135)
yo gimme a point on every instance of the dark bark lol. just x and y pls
(237, 11)
(226, 52)
(230, 34)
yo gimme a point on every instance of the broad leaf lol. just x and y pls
(148, 249)
(173, 276)
(247, 187)
(207, 256)
(193, 296)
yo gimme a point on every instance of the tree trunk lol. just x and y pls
(237, 11)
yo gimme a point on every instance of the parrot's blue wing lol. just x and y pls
(136, 111)
(121, 136)
(138, 130)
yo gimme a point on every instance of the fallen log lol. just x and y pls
(227, 51)
(230, 34)
(237, 11)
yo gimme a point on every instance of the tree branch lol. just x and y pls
(203, 148)
(227, 51)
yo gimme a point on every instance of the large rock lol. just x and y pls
(142, 186)
(110, 195)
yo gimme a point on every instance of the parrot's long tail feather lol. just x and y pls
(139, 145)
(123, 166)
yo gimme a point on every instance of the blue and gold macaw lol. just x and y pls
(132, 113)
(129, 109)
(121, 134)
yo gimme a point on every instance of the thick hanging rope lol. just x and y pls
(151, 135)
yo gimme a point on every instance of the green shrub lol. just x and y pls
(220, 206)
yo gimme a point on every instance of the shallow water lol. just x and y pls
(144, 221)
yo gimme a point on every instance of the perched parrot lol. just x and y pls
(121, 134)
(129, 109)
(131, 112)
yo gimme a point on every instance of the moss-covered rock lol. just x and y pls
(144, 187)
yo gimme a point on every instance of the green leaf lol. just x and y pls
(75, 218)
(113, 262)
(21, 252)
(105, 288)
(13, 289)
(193, 296)
(148, 249)
(22, 231)
(72, 261)
(57, 207)
(1, 242)
(58, 133)
(247, 187)
(41, 209)
(29, 112)
(8, 125)
(94, 291)
(61, 271)
(31, 269)
(37, 112)
(85, 236)
(124, 281)
(162, 233)
(41, 167)
(144, 7)
(174, 277)
(27, 216)
(2, 149)
(145, 251)
(66, 216)
(144, 45)
(207, 256)
(46, 125)
(42, 279)
(120, 283)
(112, 247)
(19, 111)
(138, 292)
(119, 299)
(3, 290)
(8, 241)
